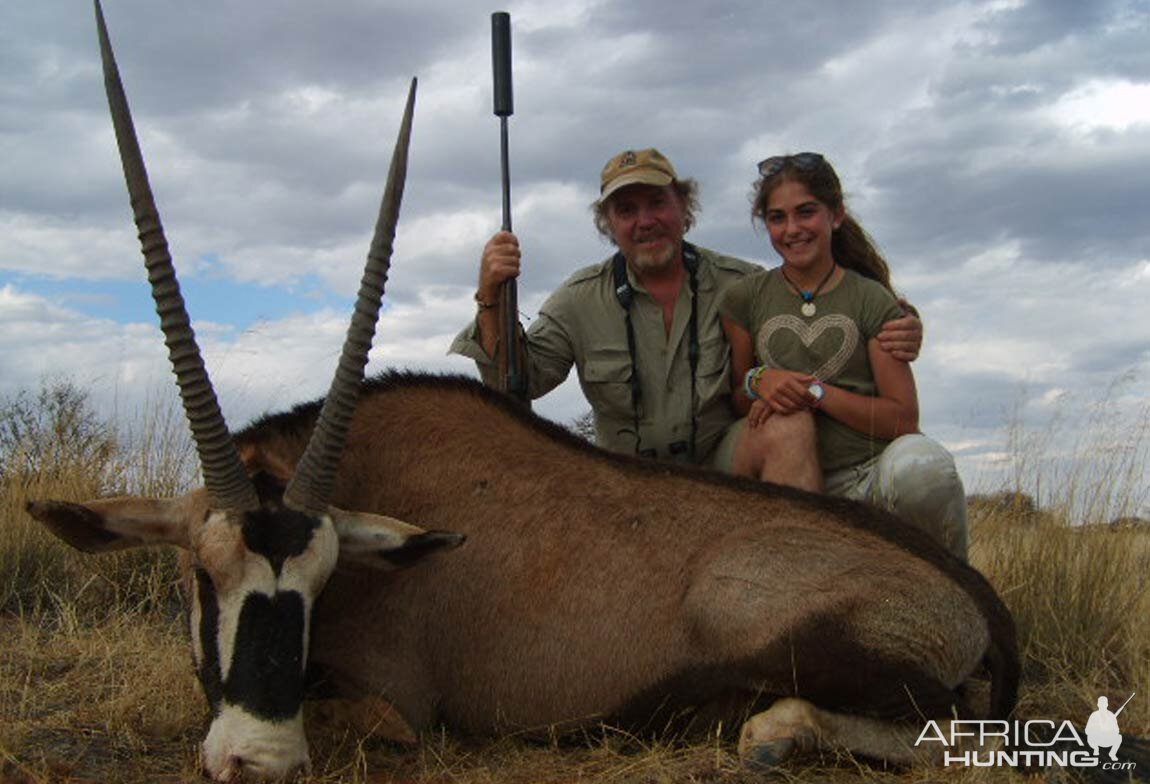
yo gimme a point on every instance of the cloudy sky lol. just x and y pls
(998, 151)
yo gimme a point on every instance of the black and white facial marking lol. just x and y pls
(268, 653)
(257, 578)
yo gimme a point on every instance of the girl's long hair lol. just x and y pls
(851, 246)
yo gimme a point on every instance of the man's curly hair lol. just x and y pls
(688, 190)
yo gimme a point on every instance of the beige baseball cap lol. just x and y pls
(635, 167)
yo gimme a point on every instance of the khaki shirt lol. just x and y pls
(582, 324)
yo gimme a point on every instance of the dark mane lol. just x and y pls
(299, 420)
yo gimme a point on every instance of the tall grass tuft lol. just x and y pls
(1080, 596)
(1097, 470)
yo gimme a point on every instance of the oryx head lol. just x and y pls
(260, 552)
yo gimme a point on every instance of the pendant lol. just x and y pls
(808, 309)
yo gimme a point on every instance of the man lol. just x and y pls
(642, 329)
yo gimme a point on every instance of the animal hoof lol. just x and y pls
(770, 754)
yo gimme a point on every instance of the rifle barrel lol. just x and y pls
(505, 168)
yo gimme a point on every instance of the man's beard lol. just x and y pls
(655, 259)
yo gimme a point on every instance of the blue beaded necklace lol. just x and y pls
(808, 308)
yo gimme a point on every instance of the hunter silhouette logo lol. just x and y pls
(1102, 728)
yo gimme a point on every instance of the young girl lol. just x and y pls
(803, 344)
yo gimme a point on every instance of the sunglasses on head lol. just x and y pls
(803, 161)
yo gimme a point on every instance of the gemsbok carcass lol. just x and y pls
(593, 586)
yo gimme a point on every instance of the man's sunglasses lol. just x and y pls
(803, 161)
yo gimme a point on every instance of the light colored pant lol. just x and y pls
(914, 477)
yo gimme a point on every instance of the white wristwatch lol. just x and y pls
(817, 392)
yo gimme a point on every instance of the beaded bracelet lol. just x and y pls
(751, 379)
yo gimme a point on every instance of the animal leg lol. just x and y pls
(792, 726)
(770, 738)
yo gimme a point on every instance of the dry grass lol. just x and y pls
(1081, 599)
(79, 702)
(96, 681)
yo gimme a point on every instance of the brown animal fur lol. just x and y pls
(596, 586)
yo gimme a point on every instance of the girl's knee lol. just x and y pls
(919, 481)
(915, 463)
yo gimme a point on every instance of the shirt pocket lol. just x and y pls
(607, 381)
(714, 370)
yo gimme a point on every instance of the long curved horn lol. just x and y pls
(224, 476)
(310, 488)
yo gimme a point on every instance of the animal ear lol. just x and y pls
(383, 542)
(115, 523)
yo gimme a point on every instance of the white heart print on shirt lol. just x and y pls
(808, 334)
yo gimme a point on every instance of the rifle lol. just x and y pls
(513, 376)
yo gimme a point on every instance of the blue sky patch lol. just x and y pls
(209, 298)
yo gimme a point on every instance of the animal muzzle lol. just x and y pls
(241, 745)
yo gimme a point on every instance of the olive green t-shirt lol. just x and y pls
(830, 345)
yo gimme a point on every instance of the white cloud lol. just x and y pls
(1116, 105)
(532, 15)
(72, 248)
(41, 340)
